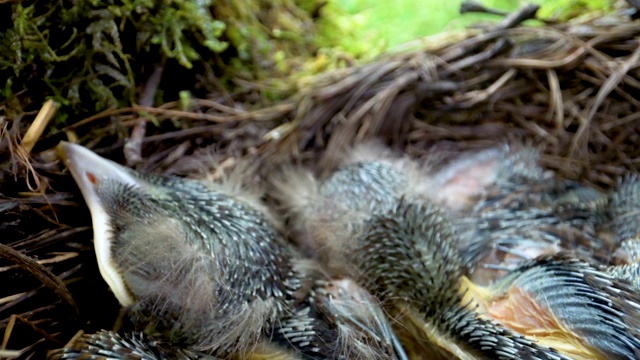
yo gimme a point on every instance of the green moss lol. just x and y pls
(81, 53)
(342, 32)
(400, 21)
(567, 9)
(96, 54)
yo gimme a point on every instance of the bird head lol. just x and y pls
(117, 200)
(183, 256)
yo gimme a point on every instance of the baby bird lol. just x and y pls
(525, 212)
(164, 242)
(203, 266)
(422, 283)
(564, 304)
(324, 213)
(505, 208)
(567, 304)
(624, 212)
(107, 345)
(401, 252)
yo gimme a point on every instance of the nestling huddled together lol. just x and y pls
(377, 255)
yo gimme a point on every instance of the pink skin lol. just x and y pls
(465, 180)
(348, 289)
(462, 190)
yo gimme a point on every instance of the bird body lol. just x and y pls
(526, 212)
(206, 269)
(325, 212)
(388, 236)
(424, 281)
(185, 259)
(624, 217)
(624, 224)
(566, 304)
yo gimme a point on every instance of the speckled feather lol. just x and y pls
(326, 215)
(339, 209)
(107, 345)
(248, 262)
(629, 273)
(407, 255)
(601, 311)
(202, 265)
(624, 212)
(528, 212)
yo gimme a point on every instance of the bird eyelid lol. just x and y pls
(92, 178)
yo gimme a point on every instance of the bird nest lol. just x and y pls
(571, 89)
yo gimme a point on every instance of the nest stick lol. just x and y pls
(39, 271)
(39, 124)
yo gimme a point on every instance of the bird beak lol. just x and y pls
(89, 170)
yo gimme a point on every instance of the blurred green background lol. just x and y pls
(94, 55)
(399, 21)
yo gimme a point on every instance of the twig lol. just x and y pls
(499, 46)
(526, 12)
(474, 6)
(40, 272)
(36, 129)
(133, 145)
(556, 104)
(609, 85)
(57, 258)
(12, 321)
(474, 97)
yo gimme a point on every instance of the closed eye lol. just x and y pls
(92, 178)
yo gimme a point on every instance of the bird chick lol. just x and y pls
(186, 259)
(407, 258)
(541, 209)
(411, 265)
(325, 213)
(624, 216)
(526, 212)
(624, 212)
(204, 266)
(108, 345)
(566, 304)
